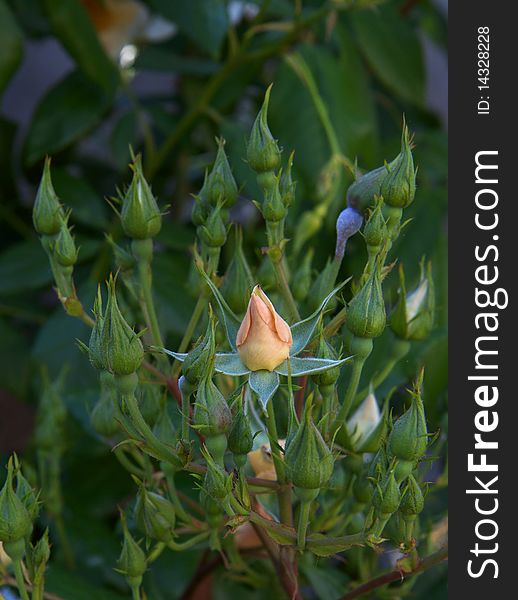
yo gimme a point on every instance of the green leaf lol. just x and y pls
(24, 266)
(230, 364)
(204, 22)
(11, 45)
(309, 366)
(68, 111)
(264, 384)
(393, 50)
(75, 30)
(165, 57)
(303, 330)
(76, 193)
(14, 359)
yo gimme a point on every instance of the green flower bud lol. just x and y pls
(140, 216)
(41, 551)
(221, 185)
(379, 463)
(214, 232)
(348, 223)
(217, 483)
(238, 280)
(413, 315)
(412, 502)
(262, 151)
(121, 349)
(105, 414)
(302, 277)
(212, 415)
(308, 459)
(201, 206)
(387, 496)
(199, 361)
(26, 494)
(361, 193)
(287, 186)
(366, 316)
(240, 438)
(375, 231)
(325, 350)
(94, 345)
(64, 248)
(398, 187)
(15, 520)
(272, 208)
(132, 560)
(155, 516)
(47, 213)
(408, 439)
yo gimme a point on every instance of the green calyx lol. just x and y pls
(413, 316)
(327, 378)
(240, 438)
(201, 206)
(132, 560)
(308, 459)
(287, 186)
(387, 495)
(262, 152)
(409, 436)
(212, 415)
(25, 492)
(155, 516)
(366, 315)
(238, 279)
(94, 345)
(213, 233)
(64, 248)
(398, 187)
(412, 502)
(47, 213)
(273, 208)
(120, 347)
(140, 216)
(220, 185)
(375, 231)
(15, 519)
(200, 360)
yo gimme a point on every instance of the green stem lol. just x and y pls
(120, 455)
(304, 510)
(135, 592)
(179, 547)
(171, 486)
(361, 348)
(400, 349)
(284, 491)
(143, 252)
(20, 582)
(37, 589)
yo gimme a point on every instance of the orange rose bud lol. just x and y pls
(264, 338)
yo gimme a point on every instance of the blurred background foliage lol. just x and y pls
(85, 80)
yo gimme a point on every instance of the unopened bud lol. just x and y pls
(105, 414)
(375, 231)
(212, 415)
(47, 213)
(287, 186)
(348, 223)
(221, 185)
(398, 187)
(213, 233)
(387, 496)
(15, 520)
(262, 151)
(121, 349)
(155, 516)
(198, 363)
(273, 208)
(241, 438)
(64, 248)
(132, 560)
(140, 215)
(409, 436)
(412, 502)
(366, 317)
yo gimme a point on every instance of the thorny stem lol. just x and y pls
(397, 575)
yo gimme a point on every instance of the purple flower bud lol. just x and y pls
(348, 223)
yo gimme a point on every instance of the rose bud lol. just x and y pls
(47, 213)
(264, 338)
